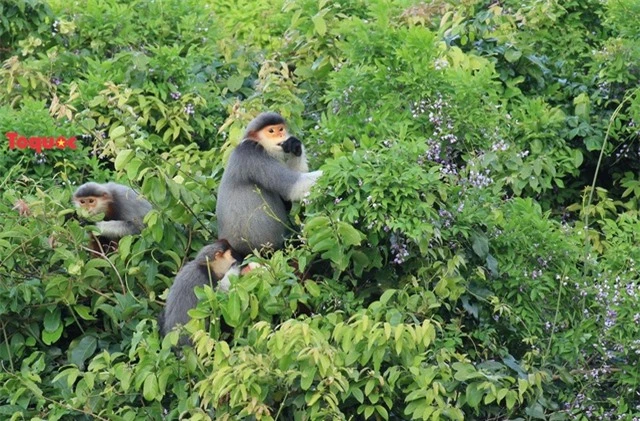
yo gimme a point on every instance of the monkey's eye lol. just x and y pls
(282, 129)
(91, 200)
(271, 130)
(82, 201)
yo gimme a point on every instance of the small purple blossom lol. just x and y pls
(500, 145)
(446, 218)
(175, 95)
(478, 179)
(440, 64)
(398, 249)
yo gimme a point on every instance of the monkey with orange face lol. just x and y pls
(265, 171)
(124, 211)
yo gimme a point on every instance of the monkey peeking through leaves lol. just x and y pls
(124, 211)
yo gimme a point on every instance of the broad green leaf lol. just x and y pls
(84, 312)
(473, 394)
(116, 131)
(51, 337)
(319, 24)
(150, 389)
(123, 158)
(480, 245)
(512, 55)
(234, 83)
(349, 235)
(83, 350)
(51, 320)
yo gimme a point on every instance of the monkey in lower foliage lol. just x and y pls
(212, 266)
(265, 171)
(124, 211)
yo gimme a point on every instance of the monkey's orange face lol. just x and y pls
(221, 263)
(92, 204)
(271, 136)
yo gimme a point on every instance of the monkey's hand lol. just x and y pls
(251, 266)
(303, 185)
(225, 283)
(292, 145)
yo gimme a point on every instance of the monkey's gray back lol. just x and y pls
(133, 207)
(182, 298)
(251, 216)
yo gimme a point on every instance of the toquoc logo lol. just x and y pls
(38, 143)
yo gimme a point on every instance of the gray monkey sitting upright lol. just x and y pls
(265, 171)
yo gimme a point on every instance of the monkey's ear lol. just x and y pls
(105, 195)
(218, 254)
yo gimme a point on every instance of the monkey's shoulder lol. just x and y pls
(249, 148)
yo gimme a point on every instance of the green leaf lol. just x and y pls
(474, 394)
(577, 158)
(369, 411)
(52, 337)
(234, 83)
(132, 168)
(480, 245)
(83, 312)
(83, 350)
(312, 288)
(116, 131)
(88, 123)
(307, 376)
(51, 320)
(501, 394)
(314, 224)
(234, 309)
(319, 24)
(150, 389)
(386, 296)
(349, 235)
(492, 265)
(124, 246)
(511, 399)
(512, 55)
(382, 411)
(357, 393)
(123, 157)
(465, 371)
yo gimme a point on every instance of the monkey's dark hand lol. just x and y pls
(292, 145)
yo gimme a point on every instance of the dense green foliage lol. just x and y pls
(472, 246)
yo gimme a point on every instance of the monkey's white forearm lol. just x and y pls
(116, 229)
(303, 186)
(225, 283)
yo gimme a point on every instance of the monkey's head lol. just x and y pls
(219, 257)
(268, 129)
(93, 198)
